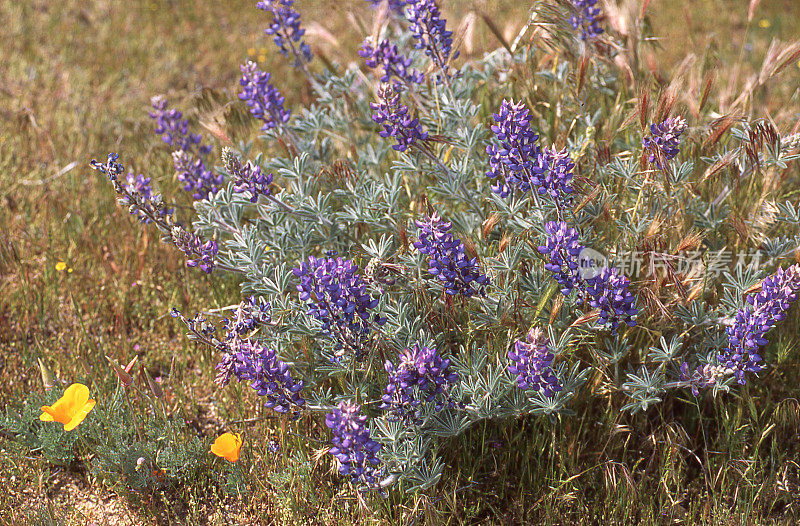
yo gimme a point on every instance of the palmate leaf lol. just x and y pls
(426, 474)
(666, 352)
(644, 389)
(448, 423)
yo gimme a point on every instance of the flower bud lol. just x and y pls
(122, 374)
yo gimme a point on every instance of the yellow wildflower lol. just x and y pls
(60, 266)
(227, 446)
(764, 23)
(70, 409)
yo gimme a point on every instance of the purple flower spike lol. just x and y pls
(563, 247)
(246, 177)
(752, 322)
(250, 179)
(250, 361)
(198, 254)
(555, 176)
(263, 99)
(421, 375)
(286, 31)
(703, 376)
(608, 291)
(395, 5)
(395, 119)
(139, 184)
(430, 30)
(189, 154)
(194, 175)
(136, 194)
(586, 18)
(515, 160)
(174, 129)
(337, 297)
(532, 363)
(393, 64)
(664, 141)
(447, 259)
(251, 313)
(356, 452)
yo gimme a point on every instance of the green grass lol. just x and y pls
(75, 83)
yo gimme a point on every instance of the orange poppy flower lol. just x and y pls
(227, 446)
(70, 409)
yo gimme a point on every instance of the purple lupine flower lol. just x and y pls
(136, 193)
(198, 254)
(286, 31)
(386, 55)
(395, 119)
(447, 259)
(532, 363)
(194, 175)
(174, 129)
(246, 177)
(274, 446)
(555, 176)
(337, 297)
(111, 168)
(430, 30)
(585, 18)
(703, 376)
(200, 327)
(563, 247)
(356, 452)
(140, 185)
(751, 323)
(250, 361)
(250, 179)
(420, 370)
(263, 99)
(395, 5)
(608, 291)
(664, 140)
(250, 314)
(515, 159)
(189, 154)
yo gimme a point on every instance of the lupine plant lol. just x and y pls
(586, 18)
(419, 295)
